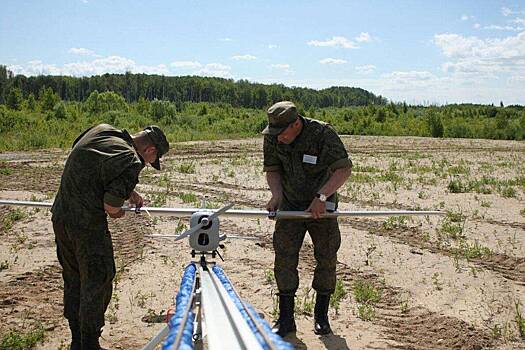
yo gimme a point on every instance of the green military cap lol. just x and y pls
(280, 115)
(159, 140)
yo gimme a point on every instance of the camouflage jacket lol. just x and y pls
(103, 167)
(307, 163)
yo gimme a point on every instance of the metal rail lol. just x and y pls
(225, 325)
(252, 212)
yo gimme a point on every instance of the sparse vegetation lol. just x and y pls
(520, 321)
(338, 295)
(366, 295)
(15, 340)
(186, 168)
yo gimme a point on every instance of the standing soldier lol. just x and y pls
(100, 173)
(305, 163)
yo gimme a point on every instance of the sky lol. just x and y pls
(421, 52)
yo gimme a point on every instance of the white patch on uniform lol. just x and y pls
(309, 159)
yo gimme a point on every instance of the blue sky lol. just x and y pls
(413, 51)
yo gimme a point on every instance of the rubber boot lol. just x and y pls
(76, 337)
(322, 326)
(286, 321)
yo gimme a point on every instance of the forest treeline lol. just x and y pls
(45, 119)
(184, 89)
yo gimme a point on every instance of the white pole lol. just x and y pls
(251, 212)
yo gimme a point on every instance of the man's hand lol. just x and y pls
(114, 212)
(136, 200)
(273, 203)
(317, 208)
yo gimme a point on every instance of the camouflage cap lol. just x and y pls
(280, 115)
(159, 140)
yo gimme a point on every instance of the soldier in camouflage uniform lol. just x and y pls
(305, 163)
(100, 173)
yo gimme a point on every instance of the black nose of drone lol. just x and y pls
(203, 239)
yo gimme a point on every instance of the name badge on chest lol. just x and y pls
(309, 159)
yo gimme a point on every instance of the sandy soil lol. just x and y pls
(456, 282)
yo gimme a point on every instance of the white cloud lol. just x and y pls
(111, 64)
(332, 61)
(272, 46)
(215, 70)
(336, 41)
(225, 39)
(280, 66)
(476, 26)
(505, 11)
(81, 51)
(466, 17)
(519, 21)
(412, 78)
(472, 55)
(507, 28)
(363, 37)
(244, 57)
(365, 69)
(186, 64)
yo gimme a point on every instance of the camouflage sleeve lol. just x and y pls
(120, 175)
(333, 153)
(271, 160)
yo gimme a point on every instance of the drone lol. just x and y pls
(207, 305)
(204, 234)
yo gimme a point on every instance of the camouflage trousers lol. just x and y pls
(287, 241)
(88, 269)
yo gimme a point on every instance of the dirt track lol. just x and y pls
(440, 286)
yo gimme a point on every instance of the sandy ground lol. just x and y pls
(455, 282)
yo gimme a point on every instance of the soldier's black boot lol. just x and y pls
(90, 341)
(76, 337)
(322, 326)
(286, 321)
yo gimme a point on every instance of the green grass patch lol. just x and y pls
(189, 198)
(11, 217)
(366, 295)
(186, 168)
(338, 295)
(15, 340)
(394, 222)
(472, 251)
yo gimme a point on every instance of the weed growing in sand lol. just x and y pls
(471, 251)
(186, 168)
(369, 250)
(269, 277)
(15, 340)
(305, 305)
(5, 171)
(522, 212)
(520, 321)
(436, 282)
(457, 186)
(12, 217)
(451, 229)
(366, 312)
(275, 305)
(366, 294)
(405, 307)
(394, 222)
(189, 198)
(486, 204)
(338, 295)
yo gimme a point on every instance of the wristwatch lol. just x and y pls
(322, 197)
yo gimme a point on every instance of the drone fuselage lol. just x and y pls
(207, 238)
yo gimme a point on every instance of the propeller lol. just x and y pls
(204, 222)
